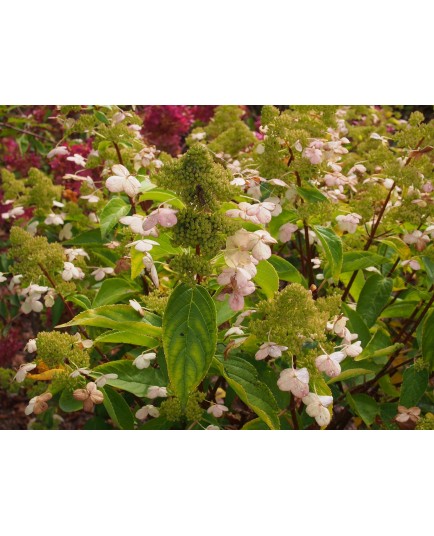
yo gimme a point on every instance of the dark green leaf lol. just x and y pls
(118, 409)
(374, 297)
(285, 270)
(112, 291)
(332, 245)
(364, 406)
(115, 209)
(189, 337)
(357, 260)
(428, 340)
(414, 384)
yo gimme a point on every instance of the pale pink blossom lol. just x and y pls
(61, 150)
(77, 159)
(149, 265)
(413, 263)
(238, 285)
(144, 360)
(317, 407)
(135, 223)
(66, 232)
(166, 217)
(38, 404)
(89, 396)
(419, 239)
(349, 222)
(155, 391)
(286, 231)
(261, 250)
(270, 349)
(13, 213)
(313, 154)
(100, 273)
(329, 363)
(137, 307)
(352, 350)
(71, 272)
(338, 325)
(217, 410)
(22, 372)
(30, 346)
(296, 381)
(123, 181)
(143, 245)
(145, 411)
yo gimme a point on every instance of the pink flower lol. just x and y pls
(349, 222)
(269, 349)
(286, 231)
(330, 363)
(217, 410)
(417, 238)
(238, 285)
(166, 217)
(296, 381)
(313, 154)
(135, 223)
(58, 151)
(261, 250)
(352, 350)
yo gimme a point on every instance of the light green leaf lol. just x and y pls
(118, 409)
(400, 309)
(357, 324)
(115, 209)
(81, 300)
(113, 290)
(130, 378)
(67, 402)
(189, 337)
(332, 245)
(357, 260)
(162, 196)
(255, 424)
(137, 265)
(349, 373)
(88, 238)
(428, 340)
(224, 311)
(128, 337)
(244, 380)
(118, 317)
(414, 385)
(267, 278)
(429, 267)
(374, 297)
(311, 194)
(285, 270)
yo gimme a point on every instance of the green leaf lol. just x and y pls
(165, 248)
(311, 194)
(285, 270)
(349, 373)
(357, 324)
(162, 196)
(189, 337)
(364, 406)
(118, 409)
(67, 402)
(332, 245)
(414, 385)
(118, 317)
(88, 238)
(115, 209)
(128, 337)
(427, 345)
(130, 378)
(357, 260)
(255, 424)
(113, 290)
(400, 309)
(101, 117)
(224, 311)
(267, 278)
(429, 267)
(374, 297)
(81, 300)
(136, 263)
(244, 380)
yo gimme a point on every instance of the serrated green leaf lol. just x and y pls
(349, 373)
(189, 337)
(128, 337)
(130, 378)
(357, 324)
(244, 380)
(162, 196)
(81, 300)
(332, 245)
(285, 270)
(364, 406)
(115, 209)
(311, 194)
(357, 260)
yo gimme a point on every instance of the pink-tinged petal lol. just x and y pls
(151, 221)
(236, 302)
(131, 186)
(120, 170)
(323, 418)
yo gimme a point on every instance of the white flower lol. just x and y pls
(198, 136)
(414, 264)
(93, 217)
(296, 381)
(150, 267)
(38, 404)
(135, 223)
(260, 249)
(330, 363)
(32, 303)
(286, 231)
(77, 159)
(155, 391)
(418, 238)
(80, 372)
(137, 307)
(349, 222)
(58, 151)
(217, 410)
(271, 349)
(58, 204)
(143, 245)
(212, 427)
(32, 227)
(235, 330)
(338, 325)
(16, 279)
(144, 360)
(122, 181)
(100, 273)
(243, 315)
(91, 198)
(53, 219)
(13, 213)
(71, 272)
(147, 410)
(30, 346)
(65, 233)
(352, 350)
(102, 380)
(317, 408)
(22, 372)
(73, 253)
(2, 277)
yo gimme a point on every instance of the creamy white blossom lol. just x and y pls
(123, 181)
(317, 407)
(144, 360)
